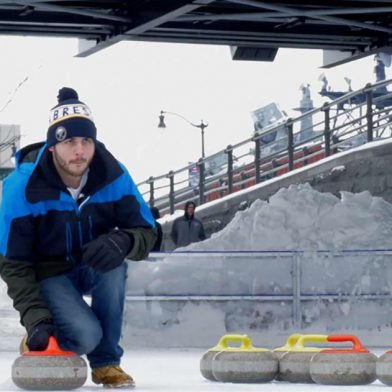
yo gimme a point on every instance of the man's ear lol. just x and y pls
(51, 149)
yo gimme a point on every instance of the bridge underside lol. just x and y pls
(254, 29)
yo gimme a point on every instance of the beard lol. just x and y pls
(74, 167)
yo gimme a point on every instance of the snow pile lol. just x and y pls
(301, 218)
(188, 288)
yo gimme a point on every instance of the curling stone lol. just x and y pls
(208, 356)
(280, 351)
(49, 370)
(294, 365)
(243, 364)
(353, 366)
(384, 368)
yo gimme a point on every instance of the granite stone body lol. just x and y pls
(47, 373)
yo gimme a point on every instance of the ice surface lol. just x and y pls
(178, 371)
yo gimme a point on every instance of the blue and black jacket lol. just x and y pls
(43, 229)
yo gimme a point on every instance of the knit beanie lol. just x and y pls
(69, 118)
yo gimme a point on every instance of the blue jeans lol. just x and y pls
(93, 330)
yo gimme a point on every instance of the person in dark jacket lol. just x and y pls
(70, 215)
(187, 229)
(155, 213)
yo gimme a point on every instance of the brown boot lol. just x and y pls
(23, 347)
(112, 377)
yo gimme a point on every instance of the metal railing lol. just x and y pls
(299, 279)
(355, 118)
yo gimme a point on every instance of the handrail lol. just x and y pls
(360, 112)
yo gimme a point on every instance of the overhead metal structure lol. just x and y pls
(254, 29)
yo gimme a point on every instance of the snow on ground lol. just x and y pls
(295, 218)
(299, 217)
(173, 370)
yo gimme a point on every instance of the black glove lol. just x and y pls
(108, 251)
(38, 336)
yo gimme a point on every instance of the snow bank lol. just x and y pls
(299, 217)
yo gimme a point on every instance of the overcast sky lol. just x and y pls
(128, 84)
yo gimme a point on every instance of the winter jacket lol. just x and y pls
(43, 229)
(186, 230)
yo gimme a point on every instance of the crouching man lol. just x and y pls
(70, 214)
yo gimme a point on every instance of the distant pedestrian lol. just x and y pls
(187, 229)
(158, 243)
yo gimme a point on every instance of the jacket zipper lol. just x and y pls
(79, 210)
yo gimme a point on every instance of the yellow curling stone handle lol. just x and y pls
(300, 345)
(244, 341)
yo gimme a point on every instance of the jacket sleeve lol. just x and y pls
(24, 291)
(134, 217)
(16, 247)
(144, 241)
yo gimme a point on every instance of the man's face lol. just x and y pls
(190, 210)
(73, 156)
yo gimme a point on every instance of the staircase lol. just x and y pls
(353, 119)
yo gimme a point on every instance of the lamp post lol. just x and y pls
(202, 126)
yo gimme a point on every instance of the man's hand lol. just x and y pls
(38, 336)
(108, 251)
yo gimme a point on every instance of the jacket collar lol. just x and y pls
(45, 183)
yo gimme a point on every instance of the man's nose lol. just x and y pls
(79, 150)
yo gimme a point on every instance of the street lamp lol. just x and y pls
(202, 126)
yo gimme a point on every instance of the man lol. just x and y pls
(187, 229)
(70, 214)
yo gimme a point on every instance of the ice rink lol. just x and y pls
(178, 370)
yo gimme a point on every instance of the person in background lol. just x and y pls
(70, 215)
(155, 213)
(187, 229)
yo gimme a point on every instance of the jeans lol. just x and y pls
(93, 330)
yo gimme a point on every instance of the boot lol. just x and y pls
(112, 377)
(23, 347)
